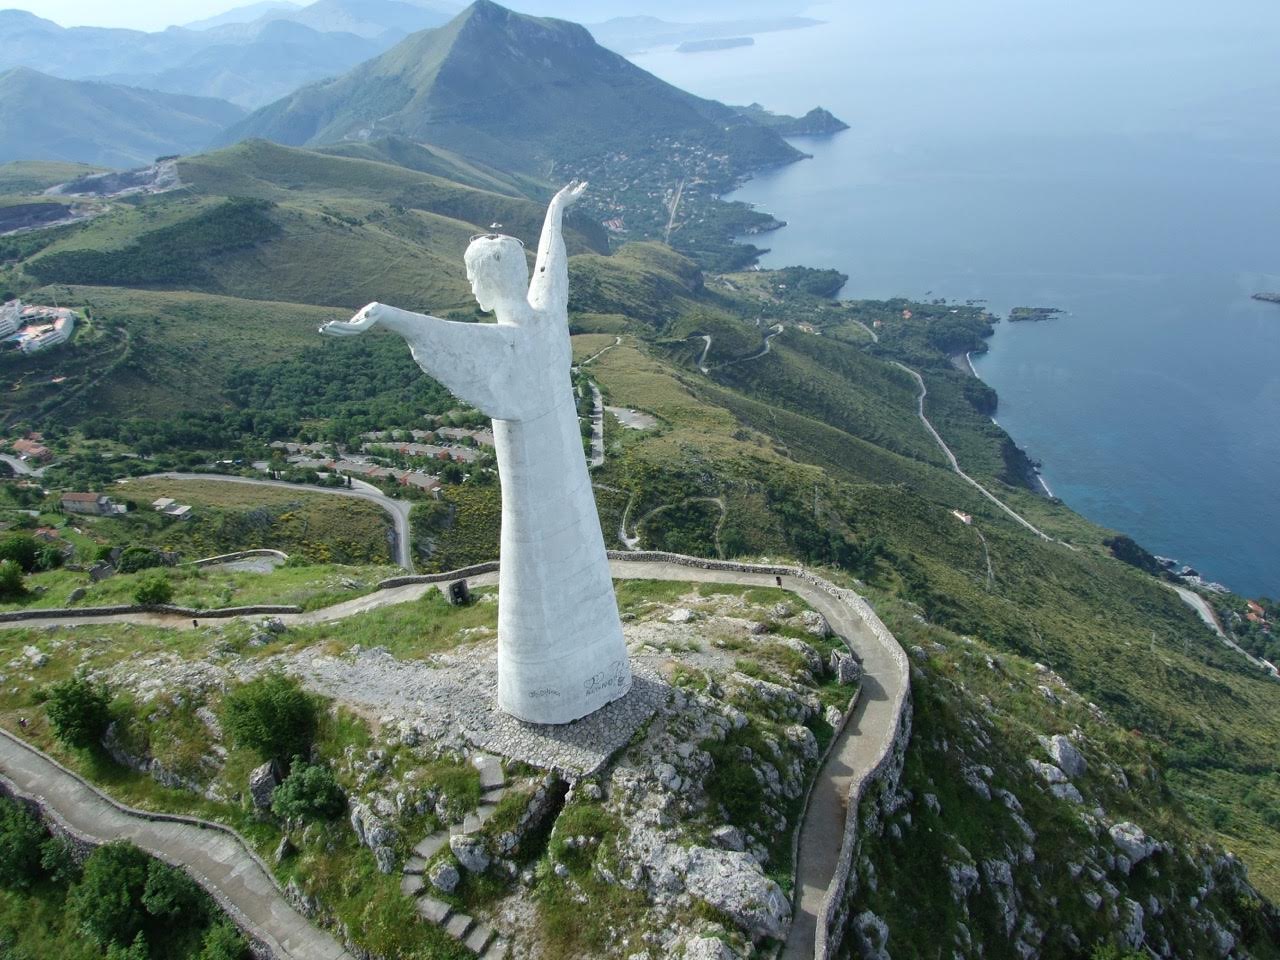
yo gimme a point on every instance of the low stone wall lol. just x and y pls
(56, 613)
(83, 844)
(460, 574)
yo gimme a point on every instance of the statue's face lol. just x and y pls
(497, 270)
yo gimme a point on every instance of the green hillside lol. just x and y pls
(520, 92)
(102, 124)
(33, 176)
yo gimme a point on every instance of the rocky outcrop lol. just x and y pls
(262, 783)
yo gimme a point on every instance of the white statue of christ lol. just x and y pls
(561, 654)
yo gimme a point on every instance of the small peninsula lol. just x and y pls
(719, 43)
(1032, 314)
(1267, 297)
(818, 122)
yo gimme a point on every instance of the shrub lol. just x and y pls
(171, 894)
(107, 902)
(22, 549)
(222, 941)
(135, 558)
(310, 792)
(153, 591)
(135, 951)
(57, 859)
(20, 838)
(273, 716)
(78, 711)
(12, 585)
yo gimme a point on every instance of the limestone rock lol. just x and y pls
(681, 615)
(262, 781)
(1133, 841)
(871, 934)
(34, 656)
(1065, 755)
(1047, 771)
(1066, 791)
(729, 837)
(733, 882)
(707, 948)
(847, 670)
(833, 716)
(470, 853)
(444, 877)
(812, 659)
(781, 611)
(284, 850)
(816, 624)
(76, 595)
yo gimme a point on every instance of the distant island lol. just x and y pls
(816, 123)
(721, 43)
(1032, 314)
(1267, 297)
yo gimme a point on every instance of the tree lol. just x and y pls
(153, 591)
(222, 941)
(58, 860)
(107, 902)
(170, 894)
(310, 792)
(273, 716)
(78, 711)
(20, 838)
(12, 585)
(135, 951)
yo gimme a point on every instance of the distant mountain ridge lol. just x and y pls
(251, 62)
(519, 92)
(104, 124)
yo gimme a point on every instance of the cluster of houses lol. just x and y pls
(31, 329)
(446, 444)
(1258, 615)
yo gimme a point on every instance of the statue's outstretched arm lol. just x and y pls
(549, 289)
(475, 361)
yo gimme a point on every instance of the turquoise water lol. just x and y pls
(1122, 164)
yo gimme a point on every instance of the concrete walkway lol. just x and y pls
(214, 856)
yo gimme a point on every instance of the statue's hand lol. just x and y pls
(570, 194)
(362, 321)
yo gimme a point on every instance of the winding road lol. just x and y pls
(225, 866)
(401, 548)
(955, 464)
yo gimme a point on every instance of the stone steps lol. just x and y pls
(476, 936)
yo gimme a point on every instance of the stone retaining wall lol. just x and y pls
(56, 613)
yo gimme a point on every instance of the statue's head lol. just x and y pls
(497, 270)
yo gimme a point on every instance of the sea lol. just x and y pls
(1118, 161)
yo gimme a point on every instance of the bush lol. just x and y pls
(153, 591)
(20, 838)
(78, 711)
(135, 558)
(135, 951)
(12, 586)
(310, 792)
(273, 716)
(58, 861)
(223, 942)
(22, 549)
(170, 894)
(107, 902)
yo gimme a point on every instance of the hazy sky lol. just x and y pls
(136, 14)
